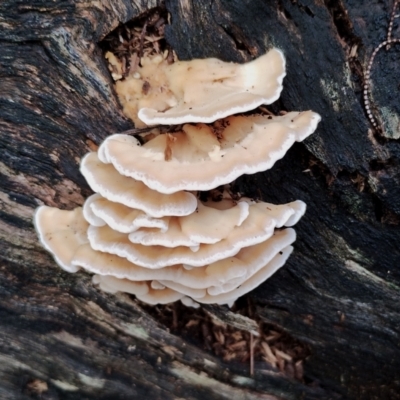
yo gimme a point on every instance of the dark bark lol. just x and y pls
(340, 290)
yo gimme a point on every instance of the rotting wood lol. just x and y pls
(339, 293)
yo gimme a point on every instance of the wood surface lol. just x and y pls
(339, 293)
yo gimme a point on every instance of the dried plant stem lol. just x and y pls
(251, 355)
(142, 35)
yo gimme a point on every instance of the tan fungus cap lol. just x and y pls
(198, 158)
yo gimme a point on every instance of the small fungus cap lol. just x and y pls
(88, 213)
(120, 217)
(61, 233)
(142, 290)
(111, 284)
(206, 225)
(109, 183)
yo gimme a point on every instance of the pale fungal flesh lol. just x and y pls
(215, 274)
(177, 291)
(199, 90)
(121, 217)
(145, 230)
(111, 284)
(219, 279)
(251, 283)
(88, 213)
(256, 228)
(201, 159)
(105, 180)
(61, 233)
(207, 225)
(221, 274)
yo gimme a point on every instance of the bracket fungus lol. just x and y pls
(199, 90)
(145, 231)
(202, 157)
(106, 181)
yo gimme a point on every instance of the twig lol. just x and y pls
(251, 355)
(175, 316)
(135, 131)
(142, 35)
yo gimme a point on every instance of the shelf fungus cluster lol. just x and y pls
(146, 230)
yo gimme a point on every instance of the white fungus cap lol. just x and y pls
(169, 291)
(215, 274)
(257, 227)
(188, 302)
(142, 290)
(255, 280)
(206, 225)
(256, 257)
(221, 282)
(122, 218)
(112, 284)
(209, 89)
(252, 258)
(88, 213)
(105, 180)
(61, 233)
(164, 296)
(202, 157)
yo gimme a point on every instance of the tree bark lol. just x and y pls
(339, 292)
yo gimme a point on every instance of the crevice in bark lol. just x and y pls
(304, 8)
(233, 32)
(351, 43)
(342, 22)
(282, 9)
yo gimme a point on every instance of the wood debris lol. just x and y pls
(272, 347)
(37, 386)
(143, 36)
